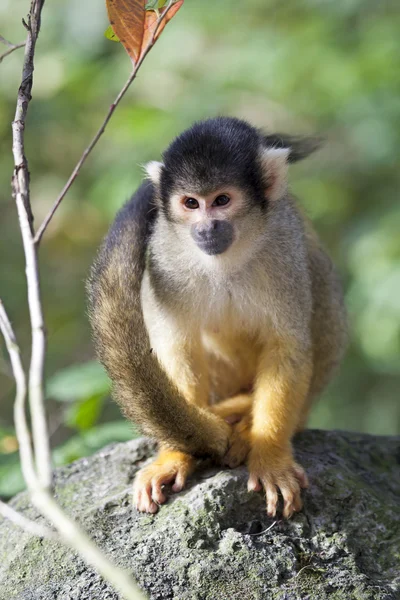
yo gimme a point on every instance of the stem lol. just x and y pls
(21, 425)
(69, 531)
(30, 526)
(75, 537)
(20, 185)
(12, 48)
(100, 131)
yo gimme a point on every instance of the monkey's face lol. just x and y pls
(209, 218)
(214, 189)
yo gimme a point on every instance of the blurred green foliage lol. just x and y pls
(300, 66)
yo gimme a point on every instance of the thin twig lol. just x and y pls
(75, 537)
(70, 532)
(265, 530)
(12, 48)
(21, 425)
(20, 185)
(100, 131)
(6, 42)
(30, 526)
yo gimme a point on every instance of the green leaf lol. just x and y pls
(155, 4)
(115, 431)
(86, 443)
(11, 479)
(110, 35)
(83, 415)
(78, 382)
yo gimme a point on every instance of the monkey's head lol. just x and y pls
(218, 179)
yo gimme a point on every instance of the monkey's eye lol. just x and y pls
(221, 200)
(191, 203)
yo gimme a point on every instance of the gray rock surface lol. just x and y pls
(214, 541)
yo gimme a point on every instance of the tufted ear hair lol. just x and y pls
(153, 171)
(274, 164)
(299, 146)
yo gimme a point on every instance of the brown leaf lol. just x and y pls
(127, 18)
(151, 23)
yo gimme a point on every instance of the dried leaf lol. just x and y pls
(135, 26)
(151, 20)
(127, 19)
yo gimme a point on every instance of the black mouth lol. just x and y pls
(214, 248)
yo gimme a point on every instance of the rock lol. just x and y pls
(214, 541)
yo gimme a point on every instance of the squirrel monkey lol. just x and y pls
(216, 312)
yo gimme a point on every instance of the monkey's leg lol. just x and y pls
(169, 466)
(281, 391)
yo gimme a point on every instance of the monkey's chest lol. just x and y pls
(232, 361)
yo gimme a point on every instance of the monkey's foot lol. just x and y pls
(275, 469)
(239, 444)
(169, 466)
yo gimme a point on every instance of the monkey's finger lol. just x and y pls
(290, 491)
(157, 482)
(271, 494)
(144, 501)
(301, 475)
(157, 494)
(180, 481)
(253, 484)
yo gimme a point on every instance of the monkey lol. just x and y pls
(216, 312)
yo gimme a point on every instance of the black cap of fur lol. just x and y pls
(221, 152)
(212, 154)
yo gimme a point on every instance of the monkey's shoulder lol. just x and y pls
(139, 212)
(124, 246)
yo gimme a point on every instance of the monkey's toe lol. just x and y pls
(142, 499)
(277, 473)
(148, 487)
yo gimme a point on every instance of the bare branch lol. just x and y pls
(75, 537)
(6, 42)
(30, 526)
(100, 131)
(20, 186)
(12, 48)
(70, 531)
(21, 424)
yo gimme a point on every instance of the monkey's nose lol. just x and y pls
(203, 232)
(213, 237)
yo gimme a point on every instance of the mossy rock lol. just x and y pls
(214, 541)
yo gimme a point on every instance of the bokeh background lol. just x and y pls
(300, 66)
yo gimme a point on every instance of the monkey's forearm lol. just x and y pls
(282, 387)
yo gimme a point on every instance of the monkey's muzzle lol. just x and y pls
(213, 237)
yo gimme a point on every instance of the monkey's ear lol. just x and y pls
(275, 166)
(153, 170)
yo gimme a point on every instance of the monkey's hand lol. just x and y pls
(274, 468)
(169, 466)
(239, 443)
